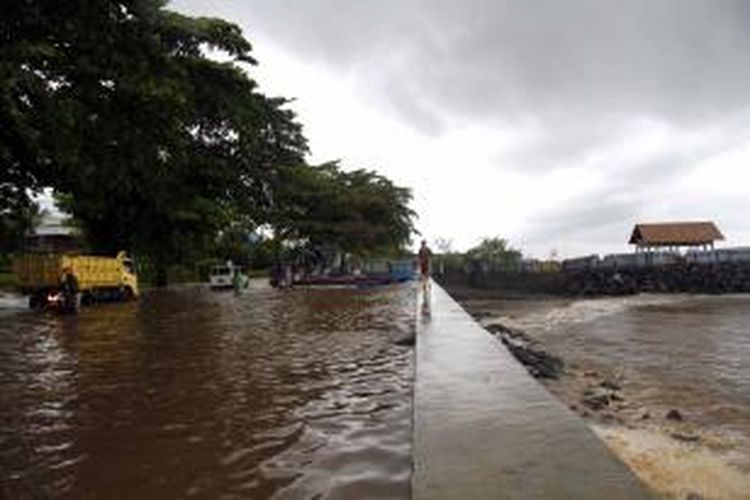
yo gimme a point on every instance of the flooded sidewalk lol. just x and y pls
(483, 428)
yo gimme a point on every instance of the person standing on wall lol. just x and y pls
(425, 263)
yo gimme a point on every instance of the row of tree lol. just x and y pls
(151, 132)
(490, 254)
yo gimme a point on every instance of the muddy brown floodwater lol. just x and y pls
(688, 354)
(191, 393)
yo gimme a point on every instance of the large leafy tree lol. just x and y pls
(357, 211)
(15, 224)
(497, 253)
(116, 104)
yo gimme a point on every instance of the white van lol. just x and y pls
(221, 276)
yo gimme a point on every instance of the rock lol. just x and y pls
(693, 496)
(498, 328)
(539, 363)
(591, 373)
(596, 399)
(504, 331)
(645, 416)
(610, 384)
(687, 438)
(610, 418)
(674, 415)
(406, 340)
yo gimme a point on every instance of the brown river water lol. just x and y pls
(672, 351)
(192, 393)
(689, 353)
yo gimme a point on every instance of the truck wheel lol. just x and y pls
(36, 301)
(127, 294)
(87, 300)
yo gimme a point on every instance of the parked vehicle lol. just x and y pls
(98, 279)
(223, 276)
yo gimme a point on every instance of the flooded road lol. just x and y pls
(190, 393)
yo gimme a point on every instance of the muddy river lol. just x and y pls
(682, 355)
(192, 393)
(674, 351)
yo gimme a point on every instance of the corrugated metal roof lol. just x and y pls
(675, 233)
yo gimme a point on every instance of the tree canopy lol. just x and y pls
(359, 211)
(149, 127)
(116, 104)
(497, 253)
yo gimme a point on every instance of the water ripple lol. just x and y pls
(294, 394)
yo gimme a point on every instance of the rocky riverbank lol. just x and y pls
(538, 362)
(673, 447)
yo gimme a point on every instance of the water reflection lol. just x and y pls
(192, 393)
(425, 299)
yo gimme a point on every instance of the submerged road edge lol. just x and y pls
(484, 428)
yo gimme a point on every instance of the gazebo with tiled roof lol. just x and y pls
(673, 235)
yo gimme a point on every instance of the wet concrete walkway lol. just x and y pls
(484, 428)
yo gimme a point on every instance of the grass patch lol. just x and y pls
(8, 282)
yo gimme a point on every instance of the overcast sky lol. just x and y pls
(556, 124)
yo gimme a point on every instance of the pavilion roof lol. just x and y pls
(675, 234)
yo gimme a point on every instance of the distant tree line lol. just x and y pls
(490, 254)
(153, 135)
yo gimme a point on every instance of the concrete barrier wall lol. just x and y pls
(547, 283)
(484, 429)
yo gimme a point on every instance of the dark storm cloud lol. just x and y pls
(577, 69)
(576, 75)
(562, 61)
